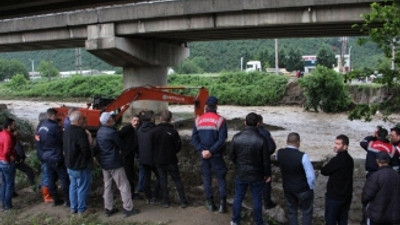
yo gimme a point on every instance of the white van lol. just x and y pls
(253, 66)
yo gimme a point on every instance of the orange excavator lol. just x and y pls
(120, 104)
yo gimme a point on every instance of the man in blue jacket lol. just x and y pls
(208, 138)
(51, 142)
(108, 152)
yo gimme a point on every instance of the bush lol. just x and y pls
(238, 88)
(17, 81)
(324, 88)
(235, 88)
(76, 87)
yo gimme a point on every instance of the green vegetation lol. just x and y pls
(48, 69)
(217, 56)
(324, 88)
(9, 68)
(326, 57)
(232, 88)
(238, 88)
(74, 87)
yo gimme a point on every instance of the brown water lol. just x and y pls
(317, 130)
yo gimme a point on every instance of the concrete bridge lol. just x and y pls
(146, 37)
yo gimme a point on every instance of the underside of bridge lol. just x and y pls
(21, 8)
(145, 37)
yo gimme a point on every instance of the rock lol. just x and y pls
(3, 106)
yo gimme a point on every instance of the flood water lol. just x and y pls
(317, 130)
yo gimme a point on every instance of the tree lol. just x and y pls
(188, 67)
(9, 68)
(281, 58)
(382, 25)
(47, 69)
(385, 13)
(326, 57)
(324, 88)
(294, 60)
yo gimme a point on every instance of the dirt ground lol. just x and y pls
(317, 131)
(29, 205)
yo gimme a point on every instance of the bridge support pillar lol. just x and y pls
(149, 75)
(144, 62)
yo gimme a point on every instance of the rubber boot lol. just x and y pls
(222, 205)
(211, 205)
(46, 195)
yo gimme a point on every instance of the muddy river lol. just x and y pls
(317, 130)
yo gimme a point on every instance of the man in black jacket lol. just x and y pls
(146, 155)
(78, 158)
(381, 193)
(129, 137)
(340, 183)
(167, 143)
(249, 152)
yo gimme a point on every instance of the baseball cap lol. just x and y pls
(105, 116)
(212, 101)
(383, 156)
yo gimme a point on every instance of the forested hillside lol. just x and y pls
(215, 56)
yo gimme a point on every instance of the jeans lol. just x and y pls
(302, 201)
(216, 164)
(173, 170)
(140, 186)
(58, 170)
(337, 211)
(8, 173)
(79, 188)
(45, 175)
(256, 192)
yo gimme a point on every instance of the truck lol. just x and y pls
(253, 66)
(119, 105)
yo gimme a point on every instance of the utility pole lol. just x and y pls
(241, 64)
(33, 65)
(350, 58)
(276, 57)
(78, 61)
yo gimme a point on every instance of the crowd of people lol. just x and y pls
(67, 152)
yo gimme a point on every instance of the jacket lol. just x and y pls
(128, 135)
(340, 171)
(249, 152)
(167, 143)
(146, 149)
(372, 146)
(77, 150)
(270, 141)
(7, 146)
(108, 148)
(50, 134)
(209, 133)
(381, 195)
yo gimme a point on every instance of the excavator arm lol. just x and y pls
(122, 102)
